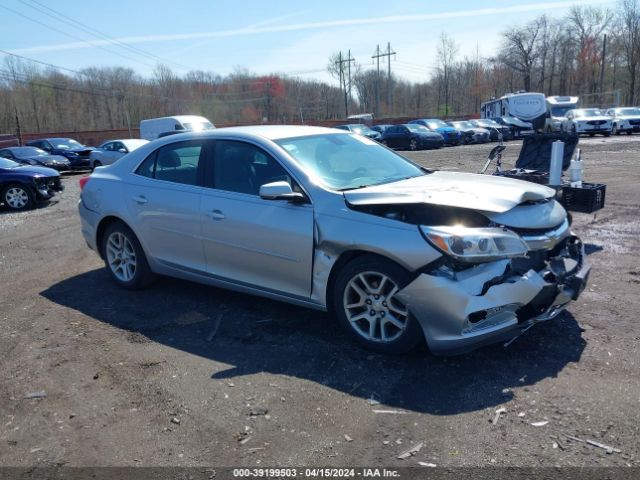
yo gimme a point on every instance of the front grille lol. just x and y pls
(596, 122)
(634, 122)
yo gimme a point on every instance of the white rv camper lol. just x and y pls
(525, 106)
(153, 128)
(557, 107)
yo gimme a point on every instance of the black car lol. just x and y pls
(495, 129)
(516, 126)
(412, 137)
(21, 186)
(360, 130)
(35, 156)
(76, 153)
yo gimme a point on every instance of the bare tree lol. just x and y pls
(446, 55)
(629, 35)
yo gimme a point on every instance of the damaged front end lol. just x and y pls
(463, 308)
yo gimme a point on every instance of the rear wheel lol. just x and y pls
(124, 258)
(366, 303)
(17, 197)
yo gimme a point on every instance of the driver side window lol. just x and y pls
(243, 168)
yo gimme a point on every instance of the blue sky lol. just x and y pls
(288, 36)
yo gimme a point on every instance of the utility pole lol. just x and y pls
(18, 129)
(377, 56)
(343, 79)
(604, 53)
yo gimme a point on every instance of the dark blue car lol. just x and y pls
(21, 186)
(35, 156)
(411, 137)
(451, 135)
(76, 153)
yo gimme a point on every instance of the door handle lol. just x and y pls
(140, 199)
(216, 215)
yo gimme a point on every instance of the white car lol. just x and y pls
(625, 119)
(587, 120)
(112, 150)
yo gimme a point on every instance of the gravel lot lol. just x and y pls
(135, 378)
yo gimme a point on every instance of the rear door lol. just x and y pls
(251, 241)
(164, 200)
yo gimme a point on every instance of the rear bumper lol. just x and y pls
(485, 305)
(89, 221)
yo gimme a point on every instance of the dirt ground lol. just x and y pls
(139, 379)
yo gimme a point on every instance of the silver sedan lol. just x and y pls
(111, 151)
(334, 221)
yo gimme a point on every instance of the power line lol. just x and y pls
(377, 57)
(97, 33)
(73, 36)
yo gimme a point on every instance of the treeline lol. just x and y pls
(591, 52)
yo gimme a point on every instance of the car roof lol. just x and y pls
(271, 132)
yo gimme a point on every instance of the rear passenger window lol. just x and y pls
(177, 163)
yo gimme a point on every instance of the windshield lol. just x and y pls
(6, 163)
(487, 123)
(437, 124)
(417, 128)
(361, 129)
(28, 152)
(559, 111)
(344, 162)
(65, 143)
(462, 124)
(592, 112)
(628, 111)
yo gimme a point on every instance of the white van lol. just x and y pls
(159, 127)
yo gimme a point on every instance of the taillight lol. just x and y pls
(83, 181)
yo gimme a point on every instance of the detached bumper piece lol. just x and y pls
(496, 301)
(46, 187)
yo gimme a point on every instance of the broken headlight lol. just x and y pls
(473, 245)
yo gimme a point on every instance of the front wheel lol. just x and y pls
(607, 134)
(366, 303)
(17, 197)
(615, 130)
(413, 144)
(124, 258)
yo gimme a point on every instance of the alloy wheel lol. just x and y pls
(16, 197)
(372, 308)
(121, 256)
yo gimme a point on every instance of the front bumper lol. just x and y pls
(491, 303)
(46, 188)
(583, 127)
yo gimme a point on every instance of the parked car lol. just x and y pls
(517, 127)
(22, 186)
(74, 151)
(411, 137)
(451, 135)
(35, 156)
(626, 119)
(587, 120)
(112, 150)
(360, 129)
(381, 128)
(153, 128)
(494, 128)
(470, 133)
(330, 220)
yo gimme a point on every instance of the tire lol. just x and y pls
(607, 134)
(629, 132)
(354, 295)
(17, 197)
(96, 163)
(592, 134)
(118, 243)
(413, 144)
(615, 130)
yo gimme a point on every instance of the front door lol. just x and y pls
(249, 240)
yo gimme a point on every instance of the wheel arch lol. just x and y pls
(344, 258)
(105, 223)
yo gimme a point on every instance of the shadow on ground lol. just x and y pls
(259, 335)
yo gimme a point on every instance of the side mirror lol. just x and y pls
(123, 150)
(280, 191)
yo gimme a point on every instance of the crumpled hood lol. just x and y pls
(464, 190)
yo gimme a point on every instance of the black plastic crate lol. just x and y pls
(588, 198)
